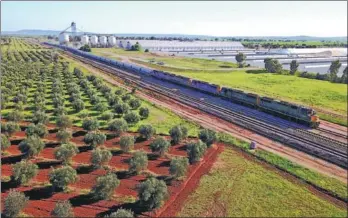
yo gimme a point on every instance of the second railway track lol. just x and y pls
(309, 142)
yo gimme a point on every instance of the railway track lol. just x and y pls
(344, 136)
(312, 143)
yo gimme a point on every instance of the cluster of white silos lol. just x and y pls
(63, 38)
(93, 40)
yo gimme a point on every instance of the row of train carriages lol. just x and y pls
(286, 110)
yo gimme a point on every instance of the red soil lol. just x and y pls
(41, 205)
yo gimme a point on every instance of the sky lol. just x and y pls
(227, 18)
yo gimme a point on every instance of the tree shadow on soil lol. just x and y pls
(152, 156)
(124, 174)
(136, 207)
(16, 141)
(139, 139)
(84, 199)
(116, 152)
(40, 193)
(12, 159)
(48, 164)
(182, 148)
(85, 148)
(79, 133)
(165, 163)
(52, 144)
(52, 131)
(167, 179)
(225, 66)
(256, 71)
(84, 169)
(5, 186)
(110, 136)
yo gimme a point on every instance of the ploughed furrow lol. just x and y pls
(312, 143)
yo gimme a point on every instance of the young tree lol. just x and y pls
(101, 107)
(146, 131)
(127, 143)
(63, 122)
(195, 151)
(62, 209)
(293, 67)
(9, 128)
(65, 152)
(118, 126)
(90, 124)
(119, 92)
(15, 116)
(39, 130)
(14, 203)
(273, 65)
(152, 193)
(144, 112)
(5, 142)
(64, 136)
(40, 117)
(178, 133)
(31, 146)
(126, 97)
(78, 105)
(62, 177)
(132, 118)
(100, 157)
(121, 109)
(24, 171)
(94, 138)
(207, 136)
(160, 145)
(121, 213)
(105, 186)
(178, 166)
(138, 162)
(107, 116)
(134, 104)
(240, 58)
(344, 77)
(334, 67)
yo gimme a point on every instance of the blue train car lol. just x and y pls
(240, 96)
(206, 87)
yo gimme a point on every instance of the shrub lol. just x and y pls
(39, 130)
(40, 117)
(113, 100)
(9, 128)
(134, 104)
(62, 209)
(24, 171)
(63, 122)
(144, 112)
(127, 143)
(121, 213)
(195, 151)
(146, 131)
(59, 110)
(101, 107)
(100, 157)
(131, 118)
(207, 136)
(152, 192)
(95, 99)
(15, 116)
(118, 126)
(5, 142)
(107, 116)
(90, 124)
(65, 152)
(83, 114)
(159, 145)
(64, 136)
(178, 133)
(178, 166)
(14, 203)
(62, 177)
(138, 162)
(105, 186)
(121, 109)
(126, 97)
(119, 92)
(78, 105)
(32, 146)
(94, 138)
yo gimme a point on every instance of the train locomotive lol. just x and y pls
(286, 110)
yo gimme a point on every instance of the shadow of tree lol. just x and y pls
(5, 186)
(48, 164)
(79, 133)
(84, 169)
(40, 193)
(12, 159)
(84, 199)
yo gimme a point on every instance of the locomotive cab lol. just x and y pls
(314, 118)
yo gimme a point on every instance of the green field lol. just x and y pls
(238, 187)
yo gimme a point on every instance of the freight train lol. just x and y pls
(286, 110)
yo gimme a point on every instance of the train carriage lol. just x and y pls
(206, 87)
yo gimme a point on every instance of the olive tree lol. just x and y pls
(207, 136)
(63, 122)
(144, 112)
(90, 124)
(40, 117)
(132, 118)
(62, 177)
(152, 193)
(62, 209)
(5, 142)
(65, 152)
(195, 151)
(9, 128)
(15, 116)
(94, 138)
(100, 157)
(127, 143)
(146, 131)
(78, 105)
(178, 166)
(138, 162)
(39, 130)
(31, 146)
(121, 213)
(101, 107)
(160, 145)
(105, 186)
(14, 203)
(121, 109)
(118, 126)
(64, 136)
(134, 104)
(107, 116)
(24, 171)
(178, 133)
